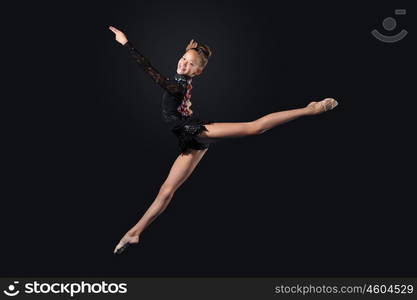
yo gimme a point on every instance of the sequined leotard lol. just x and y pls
(175, 104)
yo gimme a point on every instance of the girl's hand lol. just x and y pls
(120, 36)
(190, 45)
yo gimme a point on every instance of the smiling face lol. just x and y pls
(190, 64)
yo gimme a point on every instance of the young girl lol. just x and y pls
(195, 135)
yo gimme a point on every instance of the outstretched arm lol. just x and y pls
(161, 80)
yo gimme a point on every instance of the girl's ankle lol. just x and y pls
(133, 233)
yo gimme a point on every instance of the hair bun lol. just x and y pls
(205, 49)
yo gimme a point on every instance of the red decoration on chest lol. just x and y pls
(184, 107)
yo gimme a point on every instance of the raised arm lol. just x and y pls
(162, 81)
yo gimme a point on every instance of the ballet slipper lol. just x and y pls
(314, 108)
(328, 104)
(125, 242)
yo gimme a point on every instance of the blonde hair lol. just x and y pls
(205, 52)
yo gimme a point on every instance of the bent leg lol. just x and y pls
(182, 168)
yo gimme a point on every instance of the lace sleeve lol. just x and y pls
(162, 81)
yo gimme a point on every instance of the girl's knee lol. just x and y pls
(255, 128)
(166, 191)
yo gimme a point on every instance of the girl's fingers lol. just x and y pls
(192, 44)
(114, 29)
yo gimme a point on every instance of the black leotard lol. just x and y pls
(185, 127)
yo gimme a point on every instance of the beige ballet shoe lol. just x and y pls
(322, 106)
(124, 243)
(328, 104)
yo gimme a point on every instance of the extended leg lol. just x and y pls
(180, 171)
(239, 129)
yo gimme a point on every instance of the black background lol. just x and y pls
(87, 150)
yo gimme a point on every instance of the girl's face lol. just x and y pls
(189, 64)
